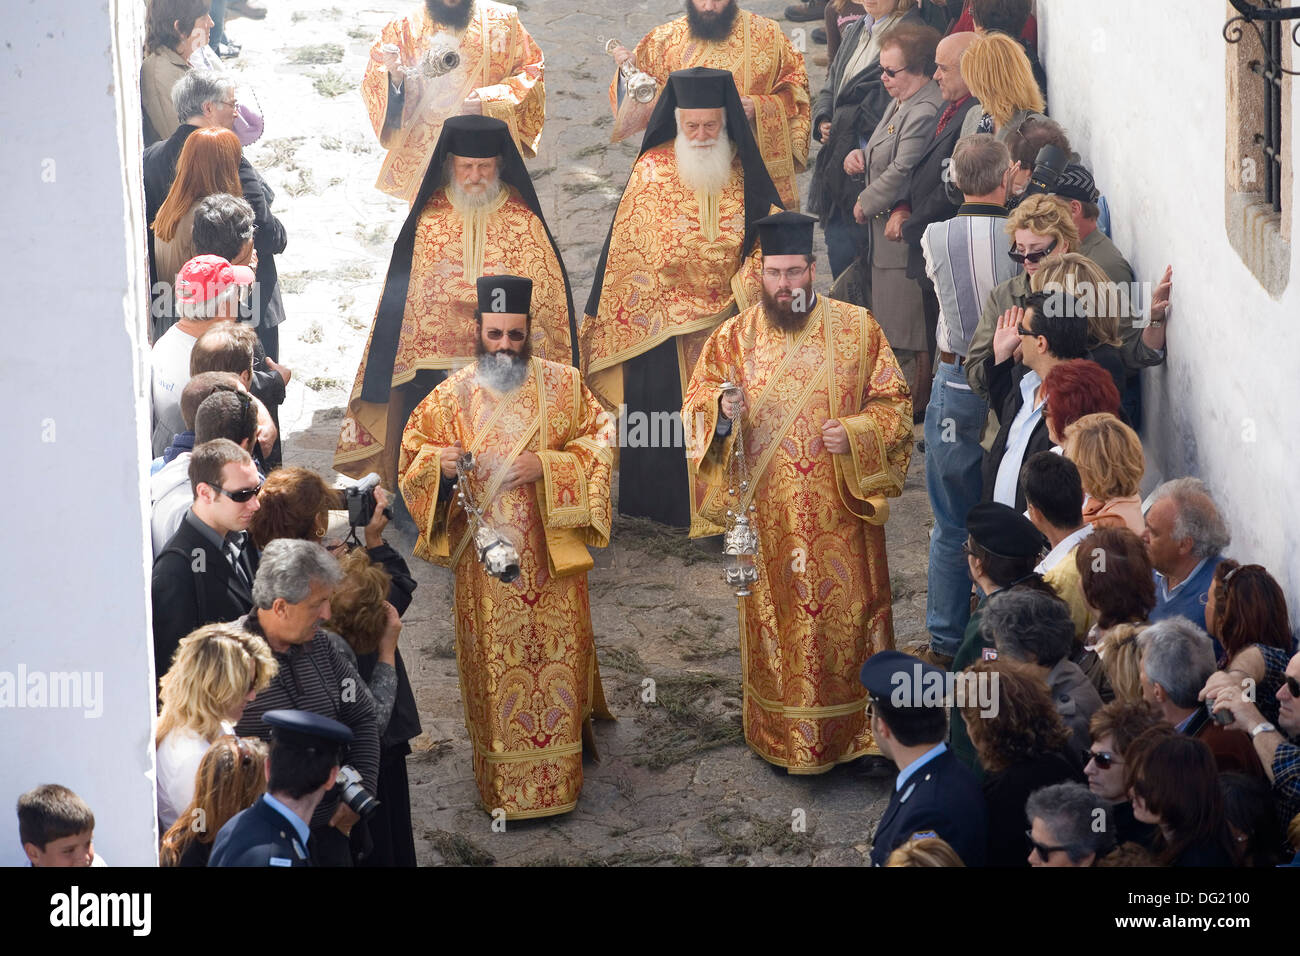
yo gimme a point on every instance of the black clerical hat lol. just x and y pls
(1003, 532)
(475, 137)
(885, 672)
(303, 730)
(701, 88)
(786, 234)
(505, 294)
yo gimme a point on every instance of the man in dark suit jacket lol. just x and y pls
(935, 795)
(1054, 331)
(205, 573)
(304, 763)
(205, 99)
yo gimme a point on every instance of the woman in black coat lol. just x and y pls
(1173, 782)
(1022, 747)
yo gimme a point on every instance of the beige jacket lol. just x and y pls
(158, 75)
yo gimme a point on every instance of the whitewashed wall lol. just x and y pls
(1141, 89)
(74, 571)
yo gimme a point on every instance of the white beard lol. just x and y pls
(704, 169)
(500, 372)
(464, 201)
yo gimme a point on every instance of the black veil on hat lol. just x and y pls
(704, 88)
(478, 137)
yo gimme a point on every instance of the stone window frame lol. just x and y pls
(1260, 236)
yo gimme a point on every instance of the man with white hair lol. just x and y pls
(409, 91)
(524, 643)
(770, 77)
(476, 214)
(1184, 537)
(681, 256)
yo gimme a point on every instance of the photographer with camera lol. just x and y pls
(305, 762)
(291, 599)
(296, 503)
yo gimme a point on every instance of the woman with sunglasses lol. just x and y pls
(1113, 730)
(1039, 227)
(1173, 782)
(216, 671)
(230, 777)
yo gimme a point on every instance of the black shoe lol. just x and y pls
(819, 34)
(227, 50)
(804, 12)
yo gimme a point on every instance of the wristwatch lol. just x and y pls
(1262, 728)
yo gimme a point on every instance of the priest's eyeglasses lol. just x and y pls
(515, 335)
(776, 275)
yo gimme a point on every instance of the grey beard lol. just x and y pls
(501, 372)
(462, 200)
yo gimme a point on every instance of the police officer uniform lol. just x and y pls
(935, 796)
(268, 833)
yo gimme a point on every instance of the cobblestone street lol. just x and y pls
(675, 783)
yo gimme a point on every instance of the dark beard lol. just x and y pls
(501, 378)
(786, 319)
(455, 17)
(711, 26)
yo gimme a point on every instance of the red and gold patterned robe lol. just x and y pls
(674, 270)
(524, 650)
(821, 606)
(767, 69)
(452, 249)
(498, 59)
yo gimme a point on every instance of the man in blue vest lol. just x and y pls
(935, 795)
(1185, 536)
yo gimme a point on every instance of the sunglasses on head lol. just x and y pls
(1023, 257)
(1102, 758)
(514, 335)
(242, 495)
(1043, 851)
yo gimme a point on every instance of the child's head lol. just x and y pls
(56, 827)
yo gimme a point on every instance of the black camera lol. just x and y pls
(354, 793)
(361, 501)
(1048, 166)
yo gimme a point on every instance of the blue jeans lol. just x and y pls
(954, 420)
(217, 11)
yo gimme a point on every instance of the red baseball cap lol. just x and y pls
(204, 278)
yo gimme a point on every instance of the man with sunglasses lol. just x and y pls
(541, 446)
(204, 574)
(1068, 826)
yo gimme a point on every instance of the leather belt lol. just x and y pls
(952, 358)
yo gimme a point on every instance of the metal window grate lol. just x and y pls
(1270, 139)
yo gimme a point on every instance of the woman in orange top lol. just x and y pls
(1109, 457)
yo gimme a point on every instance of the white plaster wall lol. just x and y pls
(1141, 89)
(74, 571)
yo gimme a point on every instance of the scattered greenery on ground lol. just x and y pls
(455, 850)
(332, 83)
(317, 54)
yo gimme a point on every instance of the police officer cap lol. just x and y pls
(1003, 532)
(512, 294)
(878, 673)
(303, 730)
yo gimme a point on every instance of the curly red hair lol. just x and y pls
(1075, 388)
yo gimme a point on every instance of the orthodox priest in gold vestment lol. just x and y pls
(476, 214)
(542, 455)
(826, 423)
(769, 73)
(452, 57)
(681, 256)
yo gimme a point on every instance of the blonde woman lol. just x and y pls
(1001, 77)
(1039, 227)
(231, 775)
(1109, 457)
(215, 672)
(1100, 300)
(926, 851)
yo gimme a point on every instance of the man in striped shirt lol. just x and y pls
(965, 258)
(291, 599)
